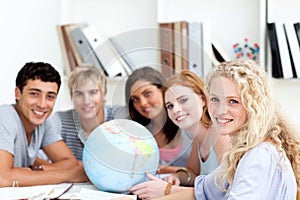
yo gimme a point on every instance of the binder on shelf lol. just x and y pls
(167, 48)
(123, 54)
(283, 51)
(184, 44)
(85, 50)
(275, 55)
(294, 48)
(68, 30)
(195, 49)
(68, 54)
(207, 48)
(177, 47)
(297, 29)
(219, 53)
(111, 61)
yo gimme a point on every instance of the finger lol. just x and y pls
(151, 177)
(137, 187)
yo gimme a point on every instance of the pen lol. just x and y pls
(64, 192)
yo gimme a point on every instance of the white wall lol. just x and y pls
(28, 33)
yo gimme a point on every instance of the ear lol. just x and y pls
(203, 99)
(17, 93)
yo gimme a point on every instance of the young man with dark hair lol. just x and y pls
(24, 129)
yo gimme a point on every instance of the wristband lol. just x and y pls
(187, 173)
(36, 167)
(168, 188)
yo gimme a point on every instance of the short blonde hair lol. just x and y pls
(84, 73)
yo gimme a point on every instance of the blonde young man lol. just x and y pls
(87, 87)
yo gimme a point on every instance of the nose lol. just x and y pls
(87, 99)
(222, 108)
(42, 102)
(143, 101)
(177, 107)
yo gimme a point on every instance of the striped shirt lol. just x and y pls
(71, 130)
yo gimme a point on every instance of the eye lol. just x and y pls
(134, 99)
(183, 100)
(214, 99)
(233, 101)
(51, 97)
(169, 106)
(93, 92)
(34, 94)
(147, 93)
(77, 94)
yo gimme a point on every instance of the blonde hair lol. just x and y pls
(84, 73)
(264, 122)
(189, 79)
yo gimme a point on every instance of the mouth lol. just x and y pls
(87, 109)
(181, 117)
(223, 121)
(146, 110)
(39, 113)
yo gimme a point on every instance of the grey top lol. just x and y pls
(210, 164)
(13, 137)
(262, 173)
(183, 156)
(68, 123)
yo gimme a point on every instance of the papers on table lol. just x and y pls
(76, 191)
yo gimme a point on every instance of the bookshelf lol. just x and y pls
(231, 21)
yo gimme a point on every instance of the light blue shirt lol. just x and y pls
(13, 137)
(262, 173)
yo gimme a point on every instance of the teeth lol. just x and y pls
(223, 121)
(87, 109)
(38, 112)
(180, 118)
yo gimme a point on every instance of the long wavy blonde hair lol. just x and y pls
(264, 122)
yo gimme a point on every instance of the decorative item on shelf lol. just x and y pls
(246, 50)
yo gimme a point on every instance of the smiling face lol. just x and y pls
(185, 107)
(147, 99)
(225, 106)
(87, 100)
(35, 103)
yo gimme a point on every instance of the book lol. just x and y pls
(166, 48)
(195, 49)
(275, 55)
(177, 47)
(184, 45)
(207, 48)
(297, 29)
(294, 48)
(283, 50)
(85, 50)
(111, 61)
(68, 54)
(123, 54)
(76, 54)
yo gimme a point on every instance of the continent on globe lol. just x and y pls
(117, 154)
